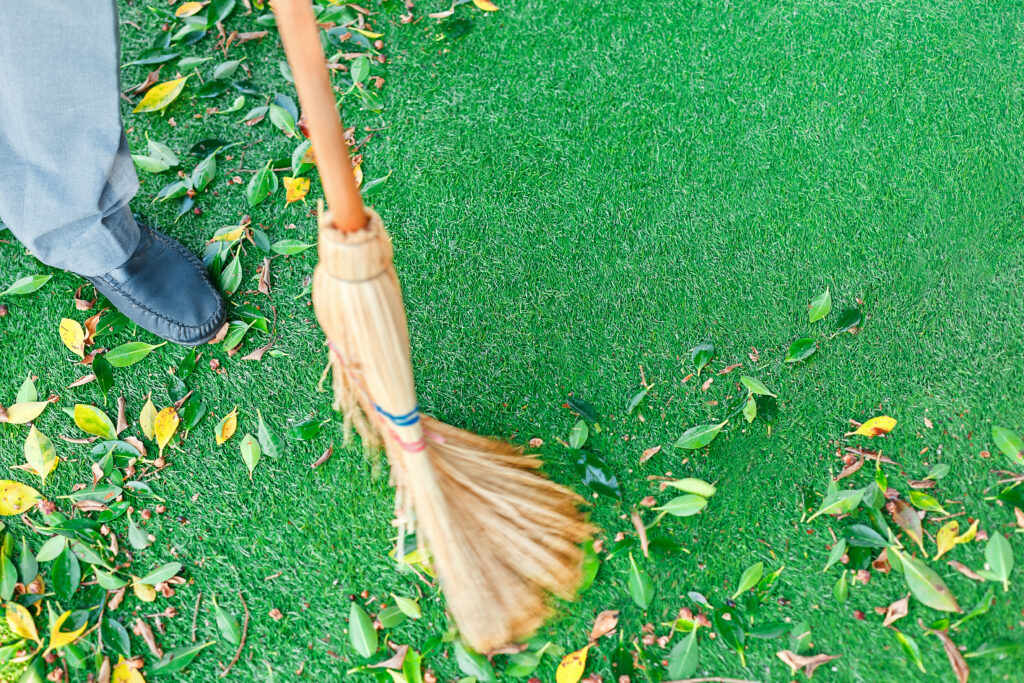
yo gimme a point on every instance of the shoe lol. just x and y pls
(165, 289)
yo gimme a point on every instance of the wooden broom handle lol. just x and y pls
(301, 37)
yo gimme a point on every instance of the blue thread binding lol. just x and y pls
(407, 420)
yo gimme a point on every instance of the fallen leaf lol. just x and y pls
(164, 426)
(122, 421)
(956, 659)
(160, 96)
(124, 672)
(73, 336)
(188, 9)
(486, 5)
(965, 570)
(641, 532)
(264, 282)
(295, 189)
(257, 354)
(81, 303)
(83, 380)
(897, 610)
(808, 664)
(570, 669)
(143, 629)
(225, 429)
(604, 624)
(907, 519)
(850, 469)
(147, 418)
(649, 453)
(876, 426)
(922, 483)
(242, 38)
(945, 539)
(21, 622)
(16, 498)
(395, 661)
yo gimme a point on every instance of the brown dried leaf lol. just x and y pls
(257, 355)
(956, 658)
(89, 505)
(649, 453)
(97, 473)
(83, 380)
(881, 563)
(965, 570)
(1018, 515)
(324, 457)
(122, 421)
(81, 303)
(808, 664)
(143, 629)
(641, 531)
(729, 368)
(151, 78)
(395, 661)
(850, 469)
(604, 624)
(221, 333)
(907, 519)
(116, 597)
(242, 38)
(707, 384)
(264, 286)
(922, 483)
(897, 610)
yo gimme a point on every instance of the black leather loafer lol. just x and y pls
(165, 289)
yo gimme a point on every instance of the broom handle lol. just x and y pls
(301, 37)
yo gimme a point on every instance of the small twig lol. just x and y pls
(241, 643)
(195, 615)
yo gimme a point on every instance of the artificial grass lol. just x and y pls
(579, 190)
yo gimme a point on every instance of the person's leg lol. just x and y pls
(66, 175)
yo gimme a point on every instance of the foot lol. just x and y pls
(165, 289)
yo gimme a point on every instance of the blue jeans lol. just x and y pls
(66, 174)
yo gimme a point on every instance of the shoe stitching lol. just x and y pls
(190, 258)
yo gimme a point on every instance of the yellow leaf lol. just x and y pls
(73, 336)
(486, 5)
(230, 236)
(358, 173)
(226, 427)
(295, 189)
(20, 621)
(147, 418)
(20, 413)
(15, 498)
(125, 673)
(143, 591)
(309, 157)
(945, 539)
(188, 9)
(968, 536)
(92, 420)
(369, 34)
(876, 426)
(160, 95)
(40, 453)
(60, 638)
(164, 426)
(571, 668)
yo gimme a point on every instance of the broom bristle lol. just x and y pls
(500, 535)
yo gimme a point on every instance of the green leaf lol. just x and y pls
(300, 167)
(982, 608)
(409, 607)
(104, 373)
(701, 354)
(597, 475)
(204, 172)
(750, 409)
(848, 320)
(473, 663)
(40, 453)
(307, 429)
(800, 637)
(639, 584)
(290, 247)
(130, 353)
(841, 589)
(999, 556)
(8, 577)
(578, 435)
(801, 349)
(750, 578)
(162, 573)
(263, 184)
(52, 548)
(637, 398)
(226, 69)
(863, 536)
(683, 659)
(271, 444)
(684, 506)
(27, 284)
(729, 626)
(360, 70)
(250, 448)
(700, 436)
(231, 277)
(755, 386)
(136, 536)
(283, 120)
(28, 567)
(27, 392)
(819, 306)
(177, 659)
(696, 486)
(591, 565)
(838, 550)
(927, 586)
(159, 150)
(92, 420)
(66, 575)
(938, 471)
(108, 581)
(115, 637)
(923, 501)
(839, 502)
(1010, 444)
(1000, 649)
(227, 624)
(361, 632)
(148, 164)
(910, 649)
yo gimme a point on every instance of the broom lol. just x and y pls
(500, 536)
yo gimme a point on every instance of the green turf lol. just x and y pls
(579, 190)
